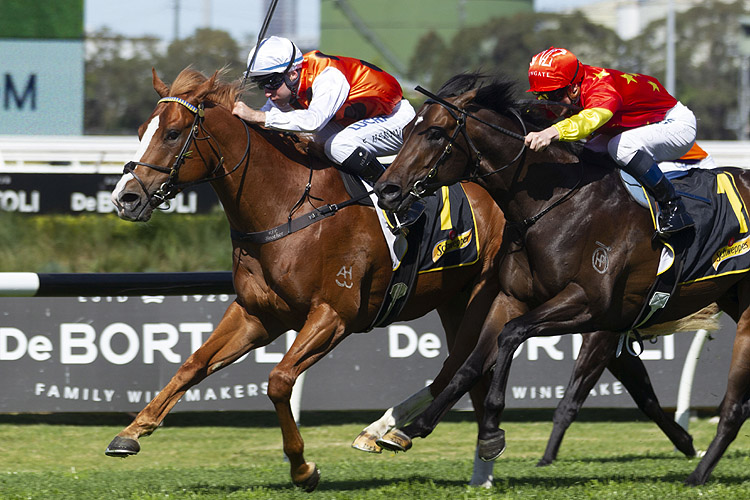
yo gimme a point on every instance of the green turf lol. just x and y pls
(52, 458)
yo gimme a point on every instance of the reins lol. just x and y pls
(170, 188)
(460, 115)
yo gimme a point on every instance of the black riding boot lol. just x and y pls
(364, 164)
(673, 216)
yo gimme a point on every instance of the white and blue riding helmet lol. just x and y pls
(276, 57)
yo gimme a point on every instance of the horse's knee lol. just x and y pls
(280, 386)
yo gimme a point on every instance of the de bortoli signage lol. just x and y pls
(116, 353)
(41, 87)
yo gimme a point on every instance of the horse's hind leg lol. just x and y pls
(596, 350)
(633, 375)
(236, 334)
(734, 407)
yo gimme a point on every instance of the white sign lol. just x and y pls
(41, 87)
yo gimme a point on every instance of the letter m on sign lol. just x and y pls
(12, 96)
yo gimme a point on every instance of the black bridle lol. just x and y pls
(171, 187)
(422, 186)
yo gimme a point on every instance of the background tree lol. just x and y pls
(119, 93)
(706, 56)
(706, 67)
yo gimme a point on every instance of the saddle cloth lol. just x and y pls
(720, 243)
(449, 238)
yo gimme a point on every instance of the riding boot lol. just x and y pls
(673, 216)
(364, 164)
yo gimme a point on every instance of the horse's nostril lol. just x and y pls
(129, 198)
(389, 190)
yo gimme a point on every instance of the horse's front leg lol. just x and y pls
(566, 312)
(322, 331)
(462, 322)
(237, 333)
(476, 364)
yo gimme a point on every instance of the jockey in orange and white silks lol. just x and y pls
(356, 109)
(632, 116)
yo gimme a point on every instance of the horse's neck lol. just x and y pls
(263, 190)
(524, 189)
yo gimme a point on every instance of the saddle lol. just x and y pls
(719, 244)
(443, 236)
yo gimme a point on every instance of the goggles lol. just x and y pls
(269, 82)
(553, 95)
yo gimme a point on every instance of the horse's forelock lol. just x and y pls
(189, 80)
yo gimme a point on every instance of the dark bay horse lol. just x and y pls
(290, 283)
(559, 209)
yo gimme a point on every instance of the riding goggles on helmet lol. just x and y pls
(553, 95)
(269, 82)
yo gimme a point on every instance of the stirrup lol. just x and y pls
(412, 215)
(673, 218)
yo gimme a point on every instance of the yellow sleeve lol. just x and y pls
(583, 124)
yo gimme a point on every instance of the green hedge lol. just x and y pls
(104, 243)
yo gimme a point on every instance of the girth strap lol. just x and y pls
(293, 225)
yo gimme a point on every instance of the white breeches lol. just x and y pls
(381, 135)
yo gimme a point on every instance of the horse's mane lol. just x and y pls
(223, 93)
(499, 94)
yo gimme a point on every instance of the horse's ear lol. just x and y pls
(465, 98)
(160, 87)
(206, 87)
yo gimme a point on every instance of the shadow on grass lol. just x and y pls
(308, 418)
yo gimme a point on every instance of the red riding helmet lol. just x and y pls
(553, 69)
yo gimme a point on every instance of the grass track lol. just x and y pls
(46, 458)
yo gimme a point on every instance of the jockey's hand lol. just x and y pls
(249, 114)
(537, 141)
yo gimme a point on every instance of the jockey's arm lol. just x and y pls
(330, 90)
(583, 124)
(575, 128)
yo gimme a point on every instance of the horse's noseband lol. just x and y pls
(422, 186)
(171, 187)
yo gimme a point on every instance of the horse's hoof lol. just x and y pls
(395, 440)
(122, 447)
(544, 462)
(366, 442)
(490, 449)
(311, 482)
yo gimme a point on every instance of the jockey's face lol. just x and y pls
(283, 94)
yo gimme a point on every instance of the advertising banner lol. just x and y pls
(90, 354)
(62, 193)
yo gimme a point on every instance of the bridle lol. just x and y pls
(422, 186)
(171, 187)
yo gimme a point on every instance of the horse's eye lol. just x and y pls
(172, 135)
(434, 134)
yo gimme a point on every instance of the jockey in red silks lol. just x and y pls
(352, 107)
(631, 115)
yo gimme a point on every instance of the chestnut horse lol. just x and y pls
(259, 176)
(560, 209)
(286, 284)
